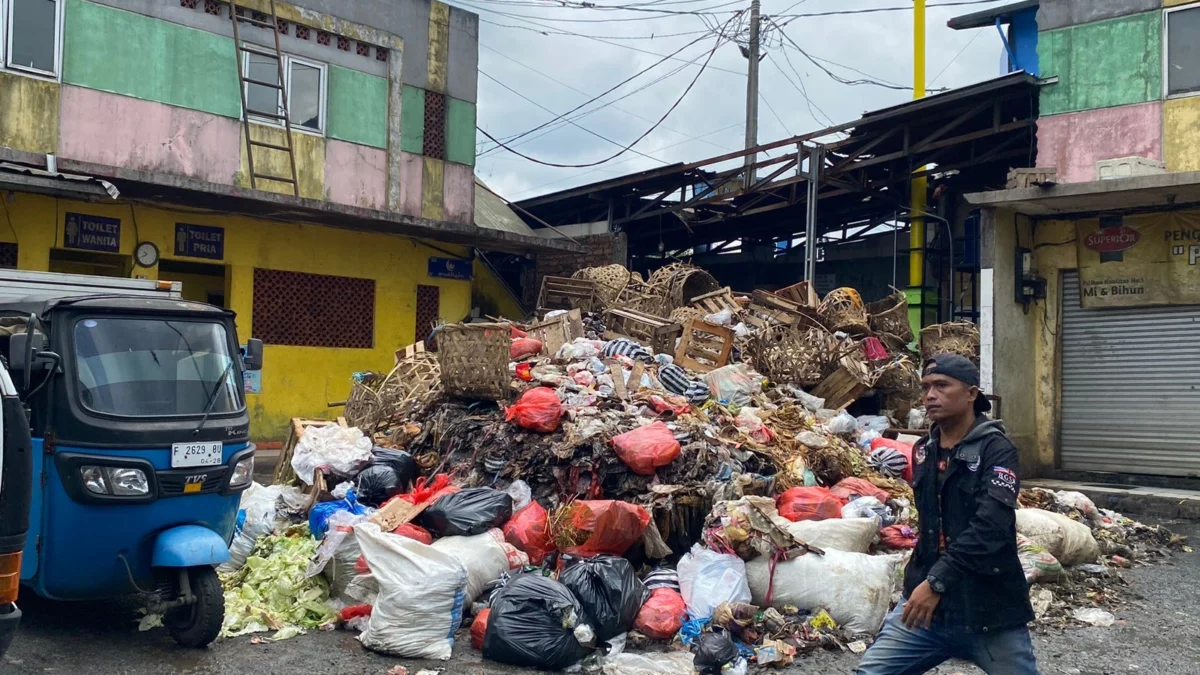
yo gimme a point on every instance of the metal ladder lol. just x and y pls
(279, 115)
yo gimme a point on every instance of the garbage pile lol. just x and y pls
(575, 488)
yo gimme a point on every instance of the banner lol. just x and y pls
(1138, 260)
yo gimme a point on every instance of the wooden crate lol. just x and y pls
(704, 347)
(845, 384)
(767, 309)
(657, 333)
(567, 293)
(284, 473)
(556, 332)
(803, 293)
(474, 359)
(719, 300)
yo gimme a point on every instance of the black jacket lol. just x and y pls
(985, 586)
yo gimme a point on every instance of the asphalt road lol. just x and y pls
(1157, 633)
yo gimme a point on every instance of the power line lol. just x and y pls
(551, 31)
(799, 85)
(874, 10)
(834, 76)
(777, 117)
(960, 53)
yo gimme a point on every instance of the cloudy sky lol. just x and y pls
(539, 59)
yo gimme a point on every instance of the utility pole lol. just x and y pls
(917, 188)
(752, 93)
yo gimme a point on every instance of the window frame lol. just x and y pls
(288, 60)
(1166, 65)
(7, 7)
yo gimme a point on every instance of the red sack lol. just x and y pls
(905, 449)
(517, 332)
(662, 616)
(612, 526)
(354, 611)
(848, 488)
(522, 347)
(809, 503)
(677, 404)
(538, 410)
(479, 628)
(874, 349)
(646, 448)
(414, 532)
(528, 530)
(898, 536)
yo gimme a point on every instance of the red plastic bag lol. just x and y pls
(528, 531)
(612, 526)
(354, 611)
(414, 532)
(517, 332)
(525, 372)
(809, 503)
(848, 488)
(905, 449)
(898, 536)
(522, 347)
(677, 404)
(646, 448)
(662, 616)
(874, 349)
(479, 628)
(538, 409)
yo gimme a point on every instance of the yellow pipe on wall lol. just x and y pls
(916, 233)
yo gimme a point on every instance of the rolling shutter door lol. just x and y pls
(1130, 388)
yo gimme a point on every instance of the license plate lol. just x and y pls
(185, 455)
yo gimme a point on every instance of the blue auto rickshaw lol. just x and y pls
(141, 449)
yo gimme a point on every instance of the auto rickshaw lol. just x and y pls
(141, 449)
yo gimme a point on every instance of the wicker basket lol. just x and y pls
(843, 310)
(610, 280)
(679, 283)
(889, 316)
(474, 360)
(378, 403)
(800, 355)
(951, 338)
(899, 374)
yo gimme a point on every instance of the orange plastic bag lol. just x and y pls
(646, 448)
(479, 628)
(538, 410)
(522, 347)
(848, 488)
(612, 526)
(528, 531)
(809, 503)
(898, 536)
(662, 616)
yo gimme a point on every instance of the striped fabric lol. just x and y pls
(627, 348)
(675, 379)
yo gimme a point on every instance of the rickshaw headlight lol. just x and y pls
(243, 473)
(127, 482)
(94, 479)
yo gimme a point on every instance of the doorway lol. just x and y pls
(202, 282)
(68, 261)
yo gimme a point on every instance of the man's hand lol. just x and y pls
(918, 611)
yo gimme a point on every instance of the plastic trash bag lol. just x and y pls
(662, 577)
(414, 532)
(734, 384)
(401, 462)
(868, 507)
(854, 535)
(842, 424)
(338, 555)
(1093, 616)
(467, 512)
(713, 652)
(256, 518)
(877, 423)
(528, 530)
(608, 589)
(647, 448)
(1072, 543)
(533, 624)
(900, 537)
(485, 557)
(721, 318)
(522, 347)
(708, 578)
(479, 628)
(661, 617)
(667, 663)
(521, 494)
(318, 517)
(343, 449)
(538, 409)
(612, 526)
(420, 603)
(852, 488)
(809, 503)
(376, 484)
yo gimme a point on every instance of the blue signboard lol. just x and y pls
(449, 268)
(92, 233)
(200, 241)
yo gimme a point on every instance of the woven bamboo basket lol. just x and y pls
(642, 298)
(800, 355)
(843, 310)
(889, 316)
(899, 374)
(474, 360)
(684, 315)
(610, 281)
(678, 283)
(363, 405)
(959, 337)
(378, 402)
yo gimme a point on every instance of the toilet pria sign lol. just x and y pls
(1137, 260)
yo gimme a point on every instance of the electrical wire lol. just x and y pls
(799, 85)
(834, 76)
(874, 10)
(551, 31)
(720, 40)
(960, 53)
(777, 117)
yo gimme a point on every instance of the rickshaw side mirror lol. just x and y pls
(253, 360)
(23, 349)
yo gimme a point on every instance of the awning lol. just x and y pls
(54, 183)
(1116, 194)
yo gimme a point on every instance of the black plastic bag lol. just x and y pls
(400, 461)
(467, 512)
(608, 589)
(532, 625)
(713, 652)
(376, 484)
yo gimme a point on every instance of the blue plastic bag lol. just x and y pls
(318, 518)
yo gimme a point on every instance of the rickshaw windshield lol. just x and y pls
(151, 367)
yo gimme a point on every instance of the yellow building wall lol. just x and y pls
(491, 296)
(1054, 252)
(1181, 134)
(308, 150)
(296, 381)
(28, 114)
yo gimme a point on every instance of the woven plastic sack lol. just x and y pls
(809, 503)
(662, 616)
(538, 409)
(849, 489)
(1070, 542)
(612, 526)
(525, 346)
(646, 448)
(854, 535)
(485, 557)
(528, 530)
(1037, 563)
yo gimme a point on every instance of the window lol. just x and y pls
(305, 90)
(1182, 52)
(31, 33)
(313, 310)
(435, 125)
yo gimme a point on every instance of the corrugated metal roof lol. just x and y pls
(493, 213)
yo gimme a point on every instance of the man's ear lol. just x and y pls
(972, 393)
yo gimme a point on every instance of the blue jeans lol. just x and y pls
(900, 651)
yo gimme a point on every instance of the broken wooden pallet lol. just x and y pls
(704, 346)
(655, 332)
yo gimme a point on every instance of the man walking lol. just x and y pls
(965, 594)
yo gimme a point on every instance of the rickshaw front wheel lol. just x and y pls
(198, 624)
